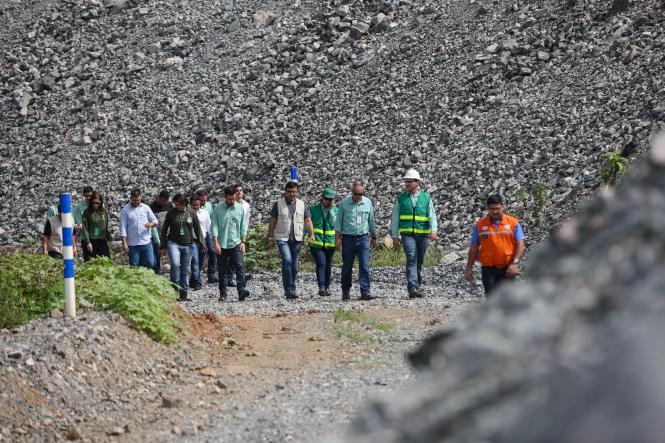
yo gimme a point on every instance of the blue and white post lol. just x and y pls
(294, 174)
(68, 253)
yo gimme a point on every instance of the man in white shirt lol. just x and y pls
(198, 255)
(240, 198)
(136, 219)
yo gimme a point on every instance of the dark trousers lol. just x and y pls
(491, 277)
(157, 265)
(212, 257)
(355, 246)
(100, 248)
(86, 255)
(224, 260)
(323, 257)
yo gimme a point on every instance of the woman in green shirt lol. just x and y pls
(95, 232)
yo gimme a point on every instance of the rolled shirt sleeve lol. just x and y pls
(519, 233)
(475, 238)
(339, 219)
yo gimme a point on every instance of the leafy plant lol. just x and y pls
(532, 202)
(258, 255)
(147, 301)
(31, 285)
(614, 167)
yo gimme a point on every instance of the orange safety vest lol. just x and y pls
(497, 243)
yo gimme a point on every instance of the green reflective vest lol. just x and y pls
(414, 220)
(324, 227)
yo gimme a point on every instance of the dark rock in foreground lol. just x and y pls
(573, 354)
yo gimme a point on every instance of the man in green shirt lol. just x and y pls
(180, 226)
(202, 194)
(414, 220)
(353, 228)
(228, 238)
(78, 217)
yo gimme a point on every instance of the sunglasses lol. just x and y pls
(327, 199)
(95, 203)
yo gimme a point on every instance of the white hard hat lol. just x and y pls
(411, 174)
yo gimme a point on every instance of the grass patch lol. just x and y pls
(31, 285)
(258, 255)
(354, 326)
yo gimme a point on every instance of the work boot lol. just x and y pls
(212, 279)
(327, 293)
(243, 294)
(222, 297)
(196, 287)
(322, 292)
(346, 296)
(413, 293)
(366, 297)
(420, 293)
(291, 296)
(231, 284)
(183, 297)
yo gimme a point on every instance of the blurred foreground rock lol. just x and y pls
(573, 354)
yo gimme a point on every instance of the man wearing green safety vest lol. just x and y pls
(414, 220)
(323, 247)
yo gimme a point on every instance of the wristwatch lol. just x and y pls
(516, 261)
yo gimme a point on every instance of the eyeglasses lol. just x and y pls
(95, 203)
(358, 194)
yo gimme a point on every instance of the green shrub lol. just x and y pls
(146, 300)
(615, 166)
(30, 286)
(533, 203)
(258, 255)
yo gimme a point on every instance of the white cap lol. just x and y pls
(411, 174)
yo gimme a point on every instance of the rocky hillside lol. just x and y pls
(480, 96)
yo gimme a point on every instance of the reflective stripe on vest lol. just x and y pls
(324, 234)
(414, 219)
(497, 243)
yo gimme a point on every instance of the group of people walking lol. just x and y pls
(190, 228)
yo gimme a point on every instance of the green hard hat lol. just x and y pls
(328, 193)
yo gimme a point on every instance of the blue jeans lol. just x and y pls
(197, 259)
(158, 261)
(415, 247)
(212, 257)
(227, 258)
(290, 253)
(323, 258)
(355, 246)
(142, 255)
(180, 257)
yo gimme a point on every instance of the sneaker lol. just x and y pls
(231, 284)
(222, 297)
(291, 296)
(213, 279)
(366, 297)
(322, 293)
(413, 293)
(243, 294)
(346, 296)
(183, 297)
(420, 293)
(197, 287)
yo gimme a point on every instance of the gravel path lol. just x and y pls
(442, 284)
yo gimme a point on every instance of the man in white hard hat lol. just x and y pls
(413, 225)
